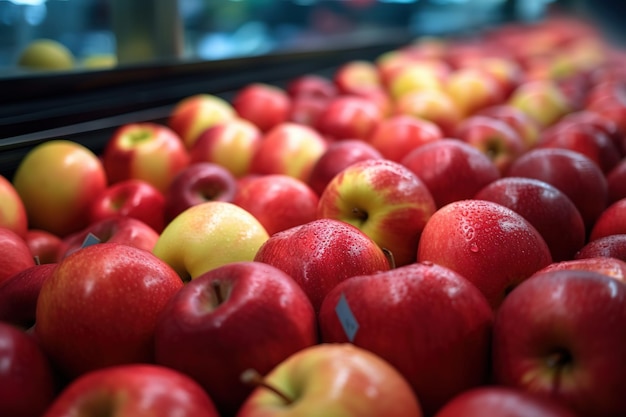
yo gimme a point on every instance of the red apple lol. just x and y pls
(27, 385)
(356, 76)
(100, 307)
(451, 169)
(198, 183)
(45, 247)
(437, 333)
(416, 76)
(12, 211)
(322, 253)
(147, 151)
(613, 246)
(311, 85)
(521, 122)
(278, 202)
(433, 105)
(266, 106)
(610, 104)
(547, 335)
(306, 110)
(349, 117)
(612, 221)
(604, 124)
(612, 267)
(130, 198)
(492, 246)
(131, 391)
(16, 254)
(217, 327)
(616, 182)
(549, 210)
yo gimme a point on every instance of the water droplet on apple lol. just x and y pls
(474, 247)
(427, 263)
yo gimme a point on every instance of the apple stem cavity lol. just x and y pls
(252, 377)
(359, 214)
(218, 292)
(557, 362)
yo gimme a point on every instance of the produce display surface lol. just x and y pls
(437, 231)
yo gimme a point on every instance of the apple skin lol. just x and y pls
(612, 267)
(27, 383)
(483, 240)
(130, 198)
(230, 144)
(616, 182)
(209, 235)
(45, 247)
(356, 76)
(349, 117)
(320, 254)
(396, 136)
(16, 254)
(306, 110)
(278, 202)
(549, 210)
(100, 307)
(451, 169)
(385, 200)
(415, 77)
(217, 327)
(502, 401)
(613, 246)
(12, 211)
(433, 105)
(57, 181)
(612, 221)
(198, 183)
(338, 156)
(571, 172)
(521, 122)
(133, 390)
(547, 335)
(148, 151)
(473, 89)
(262, 104)
(542, 100)
(312, 85)
(438, 306)
(597, 121)
(194, 114)
(334, 379)
(18, 295)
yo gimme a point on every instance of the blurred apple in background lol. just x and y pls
(147, 151)
(597, 121)
(435, 106)
(492, 246)
(616, 182)
(16, 255)
(328, 380)
(451, 169)
(44, 246)
(613, 246)
(278, 202)
(415, 77)
(612, 221)
(100, 307)
(306, 110)
(437, 334)
(521, 122)
(385, 200)
(542, 100)
(547, 336)
(194, 114)
(27, 383)
(218, 326)
(58, 180)
(198, 183)
(549, 210)
(209, 235)
(473, 89)
(12, 211)
(357, 76)
(349, 117)
(612, 267)
(131, 391)
(311, 85)
(230, 144)
(264, 105)
(130, 198)
(320, 254)
(610, 103)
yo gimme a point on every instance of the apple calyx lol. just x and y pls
(359, 214)
(252, 377)
(557, 362)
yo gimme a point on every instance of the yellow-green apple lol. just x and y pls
(451, 169)
(548, 334)
(338, 156)
(571, 172)
(100, 307)
(398, 135)
(230, 144)
(262, 104)
(57, 181)
(385, 200)
(27, 383)
(521, 122)
(416, 76)
(616, 182)
(194, 114)
(493, 137)
(288, 149)
(355, 76)
(44, 246)
(18, 295)
(542, 100)
(320, 254)
(496, 400)
(12, 211)
(613, 246)
(492, 246)
(217, 327)
(148, 151)
(349, 117)
(549, 210)
(331, 379)
(473, 89)
(16, 255)
(133, 390)
(130, 198)
(198, 183)
(612, 267)
(612, 221)
(209, 235)
(505, 70)
(311, 85)
(437, 334)
(278, 202)
(432, 105)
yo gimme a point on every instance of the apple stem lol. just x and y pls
(252, 377)
(390, 258)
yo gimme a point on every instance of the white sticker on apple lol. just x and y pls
(347, 319)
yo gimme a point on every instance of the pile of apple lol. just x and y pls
(438, 232)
